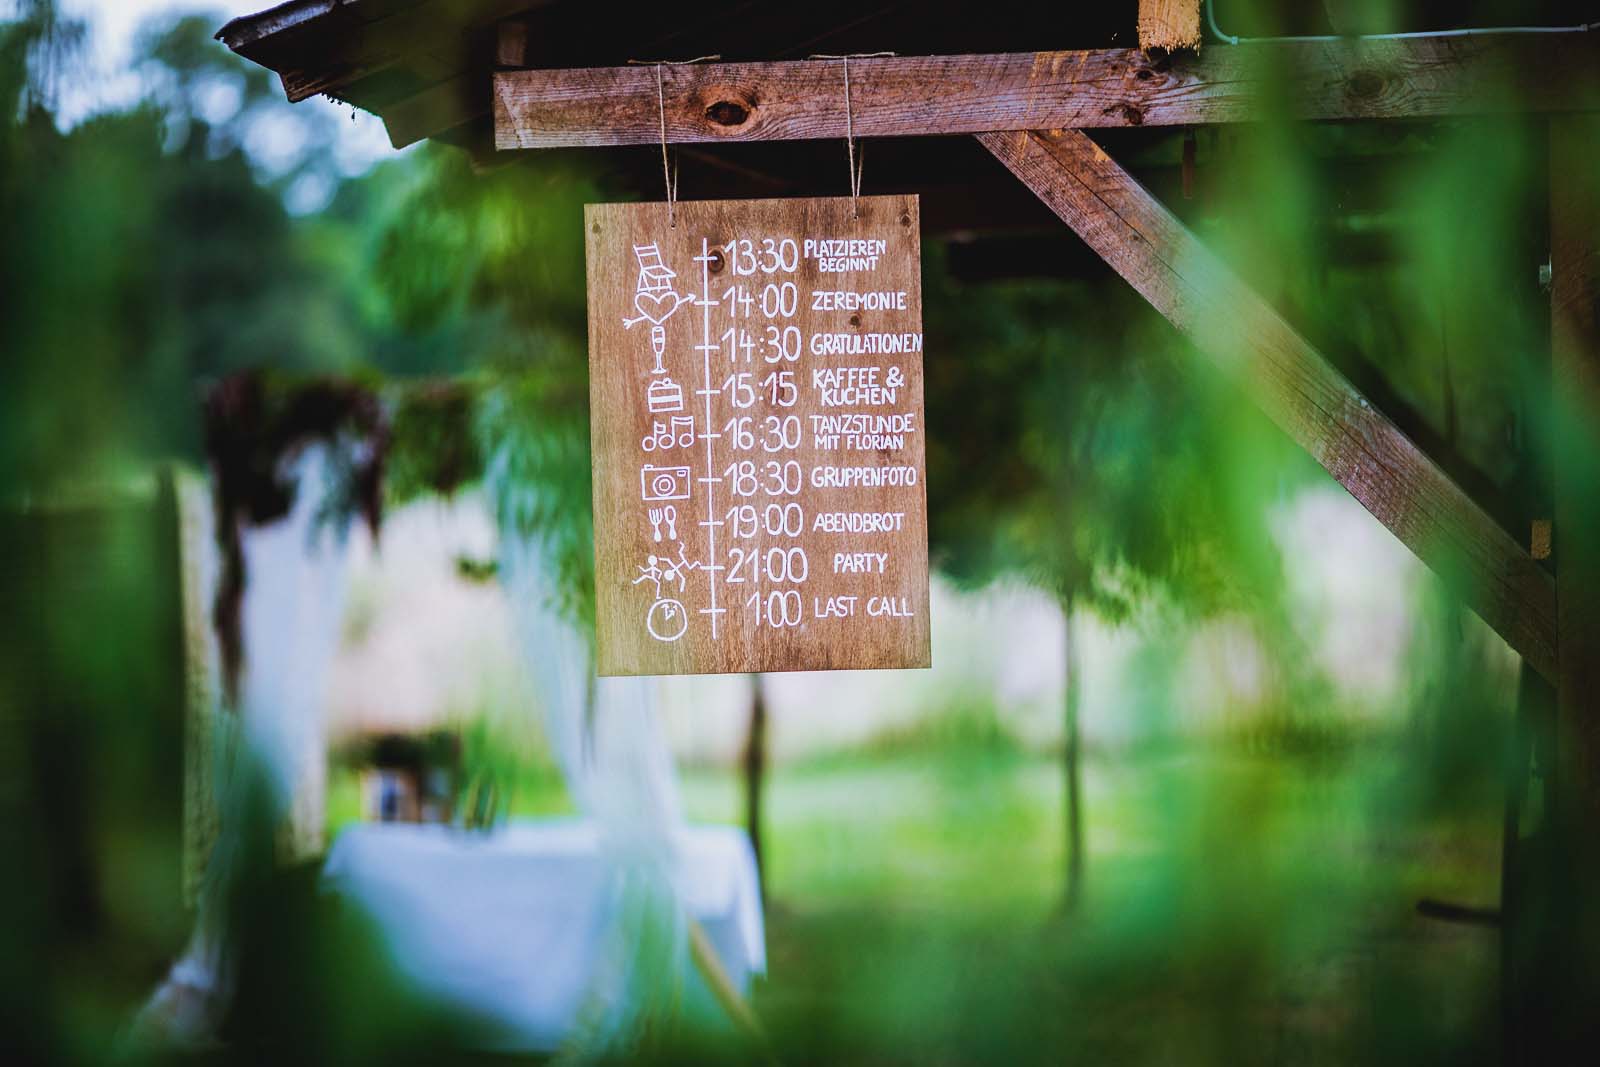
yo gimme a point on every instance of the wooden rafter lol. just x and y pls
(1292, 382)
(1412, 78)
(439, 107)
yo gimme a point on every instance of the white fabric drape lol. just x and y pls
(293, 602)
(605, 734)
(614, 755)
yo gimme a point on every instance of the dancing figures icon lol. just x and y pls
(666, 619)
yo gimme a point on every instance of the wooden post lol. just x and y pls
(1575, 465)
(1169, 25)
(1575, 376)
(202, 676)
(709, 964)
(1527, 928)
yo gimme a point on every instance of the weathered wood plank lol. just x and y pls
(1170, 25)
(511, 43)
(896, 96)
(1291, 381)
(755, 399)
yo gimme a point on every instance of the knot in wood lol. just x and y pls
(1160, 60)
(728, 113)
(1131, 114)
(1365, 84)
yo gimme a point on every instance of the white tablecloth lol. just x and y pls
(508, 925)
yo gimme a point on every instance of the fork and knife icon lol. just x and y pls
(667, 516)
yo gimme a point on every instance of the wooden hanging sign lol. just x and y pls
(755, 399)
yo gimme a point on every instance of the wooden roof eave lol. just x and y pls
(241, 33)
(405, 61)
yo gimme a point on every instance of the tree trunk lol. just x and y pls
(755, 765)
(1070, 766)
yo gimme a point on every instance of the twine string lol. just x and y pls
(850, 145)
(669, 177)
(666, 171)
(856, 160)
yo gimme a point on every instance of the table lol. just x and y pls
(509, 924)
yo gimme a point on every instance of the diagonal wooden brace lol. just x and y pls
(1291, 381)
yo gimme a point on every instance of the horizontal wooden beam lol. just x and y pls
(1291, 381)
(893, 96)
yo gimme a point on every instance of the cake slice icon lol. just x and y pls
(664, 395)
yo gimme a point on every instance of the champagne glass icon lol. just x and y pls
(658, 345)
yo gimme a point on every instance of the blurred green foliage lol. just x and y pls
(1253, 897)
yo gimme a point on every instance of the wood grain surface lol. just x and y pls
(1291, 381)
(919, 95)
(1169, 25)
(758, 488)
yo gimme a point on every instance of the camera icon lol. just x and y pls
(664, 483)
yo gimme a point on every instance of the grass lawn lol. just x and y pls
(1239, 907)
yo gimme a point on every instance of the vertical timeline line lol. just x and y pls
(707, 432)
